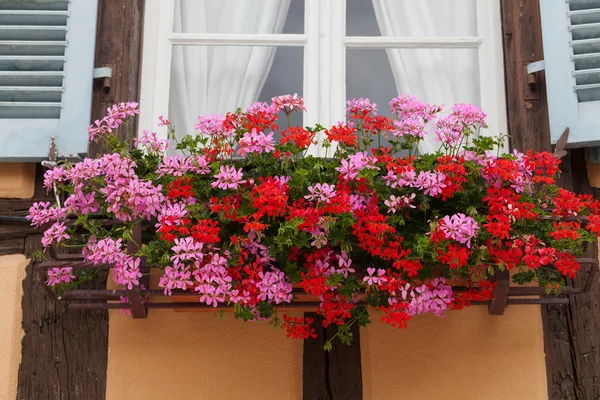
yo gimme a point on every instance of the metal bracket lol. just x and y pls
(536, 67)
(104, 73)
(532, 68)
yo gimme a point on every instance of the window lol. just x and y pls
(571, 35)
(208, 56)
(46, 66)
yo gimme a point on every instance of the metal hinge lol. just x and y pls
(532, 68)
(104, 73)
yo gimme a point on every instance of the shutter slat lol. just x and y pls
(33, 32)
(37, 47)
(586, 46)
(586, 61)
(36, 17)
(31, 78)
(35, 5)
(571, 37)
(46, 63)
(25, 110)
(593, 71)
(584, 16)
(29, 94)
(585, 31)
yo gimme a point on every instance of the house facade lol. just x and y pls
(63, 62)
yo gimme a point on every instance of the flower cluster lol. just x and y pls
(239, 218)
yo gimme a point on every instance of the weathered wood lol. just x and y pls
(64, 353)
(527, 109)
(331, 375)
(498, 304)
(572, 348)
(12, 246)
(315, 365)
(119, 46)
(134, 295)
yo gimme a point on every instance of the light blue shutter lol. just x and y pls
(571, 35)
(46, 67)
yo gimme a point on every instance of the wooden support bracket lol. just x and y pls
(136, 300)
(498, 304)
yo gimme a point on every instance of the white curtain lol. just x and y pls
(438, 76)
(218, 79)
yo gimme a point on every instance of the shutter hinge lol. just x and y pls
(104, 73)
(532, 68)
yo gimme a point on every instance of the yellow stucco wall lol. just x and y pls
(174, 355)
(467, 355)
(12, 273)
(17, 180)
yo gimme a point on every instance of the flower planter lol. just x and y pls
(240, 217)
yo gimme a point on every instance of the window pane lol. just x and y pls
(235, 16)
(411, 18)
(217, 79)
(435, 76)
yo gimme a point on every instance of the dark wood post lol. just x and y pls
(571, 339)
(65, 353)
(333, 375)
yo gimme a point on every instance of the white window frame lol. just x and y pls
(325, 44)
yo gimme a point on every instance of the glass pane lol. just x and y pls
(411, 18)
(235, 16)
(435, 76)
(209, 80)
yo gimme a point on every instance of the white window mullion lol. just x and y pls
(224, 39)
(390, 42)
(337, 72)
(156, 71)
(491, 68)
(312, 67)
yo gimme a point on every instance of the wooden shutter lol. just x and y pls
(571, 33)
(46, 66)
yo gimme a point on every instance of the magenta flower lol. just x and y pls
(288, 103)
(212, 125)
(459, 227)
(41, 213)
(256, 142)
(228, 178)
(260, 107)
(407, 106)
(359, 106)
(151, 142)
(321, 192)
(105, 251)
(55, 234)
(372, 279)
(430, 183)
(56, 276)
(395, 204)
(274, 287)
(115, 117)
(187, 249)
(409, 127)
(434, 300)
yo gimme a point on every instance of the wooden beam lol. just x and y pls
(65, 353)
(332, 375)
(572, 355)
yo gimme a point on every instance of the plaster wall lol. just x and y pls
(12, 273)
(17, 180)
(467, 355)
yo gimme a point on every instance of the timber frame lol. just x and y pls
(64, 353)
